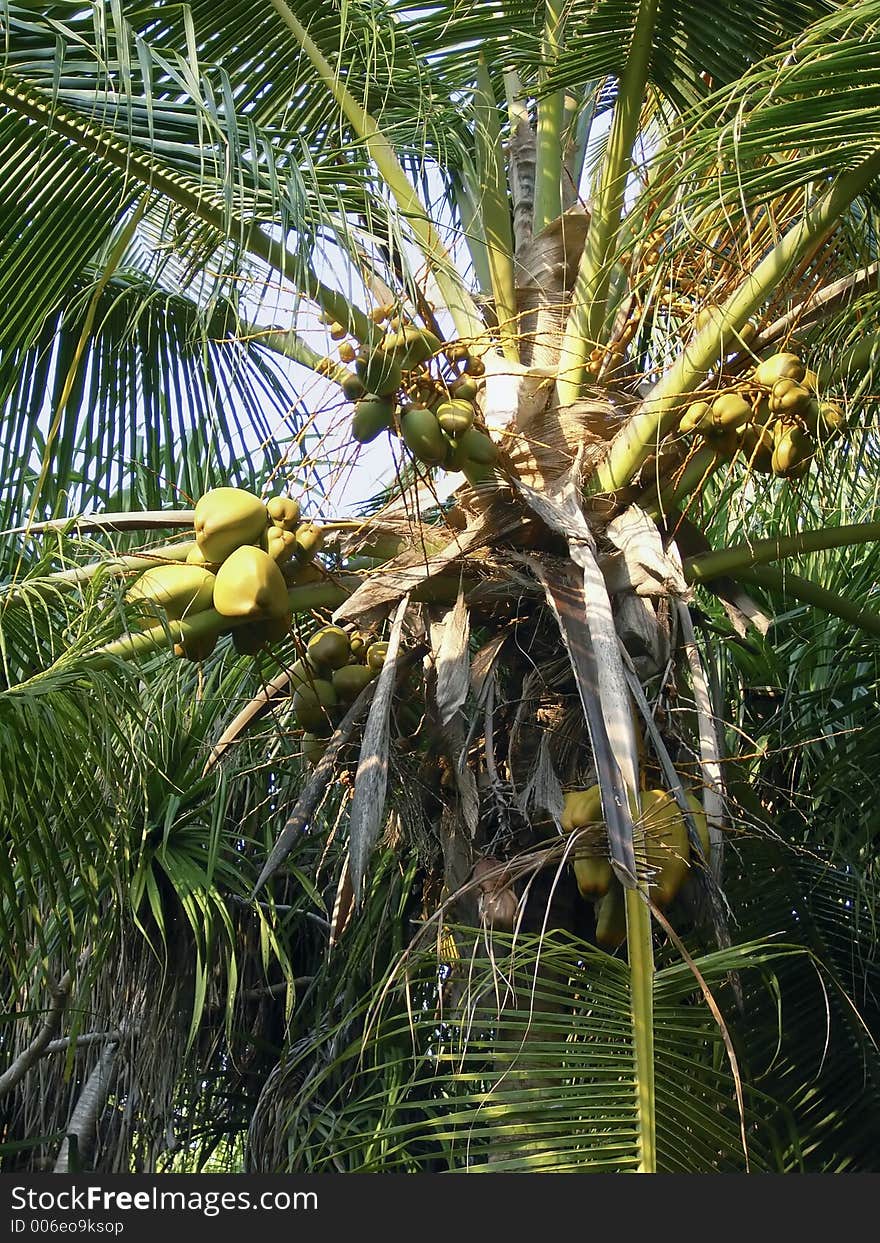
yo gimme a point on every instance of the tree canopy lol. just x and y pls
(438, 705)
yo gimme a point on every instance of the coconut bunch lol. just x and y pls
(336, 667)
(775, 418)
(413, 385)
(662, 846)
(234, 568)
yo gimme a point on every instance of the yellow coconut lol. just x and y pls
(280, 545)
(788, 398)
(831, 418)
(592, 869)
(284, 512)
(180, 589)
(697, 415)
(778, 366)
(665, 844)
(195, 556)
(580, 808)
(730, 410)
(309, 541)
(756, 446)
(250, 584)
(226, 518)
(794, 448)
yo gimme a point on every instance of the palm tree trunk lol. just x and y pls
(83, 1124)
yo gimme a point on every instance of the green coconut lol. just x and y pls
(411, 346)
(478, 447)
(312, 704)
(465, 388)
(376, 654)
(455, 417)
(328, 648)
(313, 748)
(353, 387)
(423, 437)
(379, 372)
(372, 415)
(350, 680)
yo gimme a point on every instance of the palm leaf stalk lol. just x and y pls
(666, 497)
(784, 583)
(289, 344)
(465, 197)
(461, 307)
(137, 168)
(584, 327)
(551, 114)
(743, 556)
(641, 981)
(494, 212)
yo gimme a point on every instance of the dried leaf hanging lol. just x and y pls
(371, 779)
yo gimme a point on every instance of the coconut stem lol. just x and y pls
(210, 622)
(66, 580)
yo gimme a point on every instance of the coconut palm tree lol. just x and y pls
(575, 871)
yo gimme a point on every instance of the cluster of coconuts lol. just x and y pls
(328, 679)
(667, 853)
(241, 541)
(775, 421)
(394, 389)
